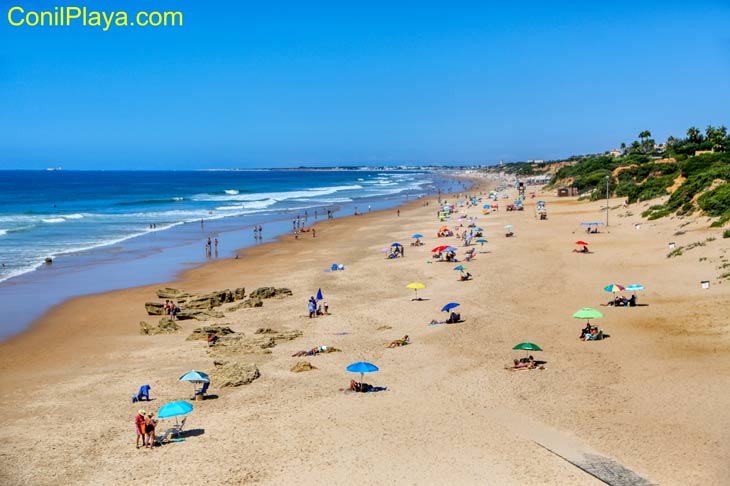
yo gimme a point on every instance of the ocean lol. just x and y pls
(106, 230)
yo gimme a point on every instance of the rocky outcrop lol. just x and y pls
(303, 366)
(154, 308)
(237, 344)
(206, 332)
(165, 326)
(239, 293)
(170, 293)
(269, 293)
(233, 373)
(199, 315)
(247, 304)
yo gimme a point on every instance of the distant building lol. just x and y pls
(700, 152)
(567, 191)
(615, 153)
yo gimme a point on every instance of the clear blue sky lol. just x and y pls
(265, 84)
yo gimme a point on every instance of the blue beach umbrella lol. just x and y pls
(319, 294)
(482, 241)
(477, 229)
(508, 226)
(195, 377)
(634, 287)
(174, 409)
(449, 306)
(362, 367)
(417, 235)
(460, 268)
(450, 248)
(395, 244)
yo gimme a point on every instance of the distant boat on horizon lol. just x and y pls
(54, 168)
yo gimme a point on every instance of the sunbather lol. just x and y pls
(311, 352)
(400, 342)
(521, 365)
(359, 387)
(582, 250)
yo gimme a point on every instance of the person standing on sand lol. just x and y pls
(149, 428)
(314, 233)
(139, 426)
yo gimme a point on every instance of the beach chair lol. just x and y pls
(164, 438)
(177, 429)
(201, 393)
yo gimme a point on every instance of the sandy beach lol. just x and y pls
(653, 397)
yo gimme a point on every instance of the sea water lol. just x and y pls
(105, 230)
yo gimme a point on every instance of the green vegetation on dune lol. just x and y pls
(646, 171)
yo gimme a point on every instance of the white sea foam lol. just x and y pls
(277, 196)
(231, 191)
(3, 232)
(178, 198)
(73, 216)
(53, 220)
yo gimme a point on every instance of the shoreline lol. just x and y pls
(155, 264)
(451, 412)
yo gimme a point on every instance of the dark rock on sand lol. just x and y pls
(165, 326)
(303, 366)
(154, 308)
(247, 304)
(199, 315)
(206, 332)
(233, 373)
(237, 344)
(269, 293)
(171, 293)
(239, 293)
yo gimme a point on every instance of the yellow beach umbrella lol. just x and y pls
(415, 286)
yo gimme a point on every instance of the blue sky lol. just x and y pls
(268, 84)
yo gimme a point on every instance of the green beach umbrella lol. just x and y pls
(528, 347)
(588, 314)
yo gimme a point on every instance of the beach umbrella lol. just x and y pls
(528, 347)
(415, 286)
(319, 294)
(581, 242)
(461, 268)
(614, 288)
(362, 367)
(417, 235)
(195, 377)
(174, 409)
(634, 287)
(587, 313)
(395, 244)
(450, 248)
(449, 306)
(439, 249)
(508, 226)
(486, 206)
(477, 229)
(482, 241)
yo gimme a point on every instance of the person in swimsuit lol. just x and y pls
(139, 426)
(149, 428)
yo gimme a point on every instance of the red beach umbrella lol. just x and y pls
(581, 242)
(439, 248)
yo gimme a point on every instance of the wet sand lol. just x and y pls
(653, 396)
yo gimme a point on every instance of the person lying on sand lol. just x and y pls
(359, 387)
(400, 342)
(311, 352)
(595, 334)
(521, 365)
(453, 318)
(582, 250)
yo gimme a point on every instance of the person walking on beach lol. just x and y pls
(139, 427)
(314, 233)
(399, 212)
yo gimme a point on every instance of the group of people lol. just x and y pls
(171, 309)
(396, 252)
(316, 309)
(621, 301)
(145, 424)
(591, 333)
(209, 245)
(523, 364)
